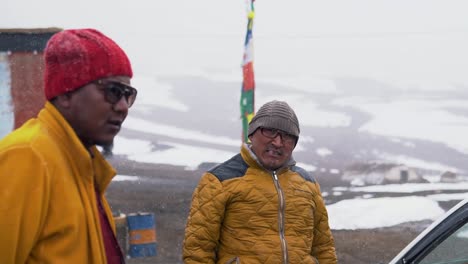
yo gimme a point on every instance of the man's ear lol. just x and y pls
(63, 101)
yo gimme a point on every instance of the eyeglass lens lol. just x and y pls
(273, 133)
(115, 91)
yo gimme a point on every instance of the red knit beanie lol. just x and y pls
(76, 57)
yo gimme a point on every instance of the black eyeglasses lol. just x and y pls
(273, 133)
(114, 91)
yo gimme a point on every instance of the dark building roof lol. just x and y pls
(34, 39)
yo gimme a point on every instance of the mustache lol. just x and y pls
(278, 151)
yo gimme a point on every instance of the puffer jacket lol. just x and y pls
(48, 209)
(243, 213)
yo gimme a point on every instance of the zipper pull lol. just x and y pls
(275, 176)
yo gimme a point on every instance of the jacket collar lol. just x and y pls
(94, 168)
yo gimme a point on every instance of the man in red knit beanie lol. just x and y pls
(54, 177)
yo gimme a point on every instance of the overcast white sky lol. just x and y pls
(400, 41)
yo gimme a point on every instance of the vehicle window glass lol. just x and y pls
(453, 250)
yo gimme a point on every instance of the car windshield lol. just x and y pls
(453, 250)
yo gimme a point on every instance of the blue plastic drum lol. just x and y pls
(142, 235)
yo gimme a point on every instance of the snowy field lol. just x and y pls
(365, 211)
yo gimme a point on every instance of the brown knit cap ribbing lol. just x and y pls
(278, 115)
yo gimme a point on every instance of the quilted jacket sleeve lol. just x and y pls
(24, 196)
(323, 246)
(204, 221)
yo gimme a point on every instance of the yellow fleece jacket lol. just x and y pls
(48, 209)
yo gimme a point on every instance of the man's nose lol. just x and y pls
(121, 105)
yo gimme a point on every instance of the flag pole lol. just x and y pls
(248, 83)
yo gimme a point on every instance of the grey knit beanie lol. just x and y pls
(278, 115)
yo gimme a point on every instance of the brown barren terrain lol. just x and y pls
(166, 191)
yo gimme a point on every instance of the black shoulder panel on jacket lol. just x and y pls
(303, 173)
(232, 168)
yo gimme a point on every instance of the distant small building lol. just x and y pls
(21, 75)
(449, 177)
(380, 173)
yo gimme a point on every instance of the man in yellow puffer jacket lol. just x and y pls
(259, 207)
(53, 208)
